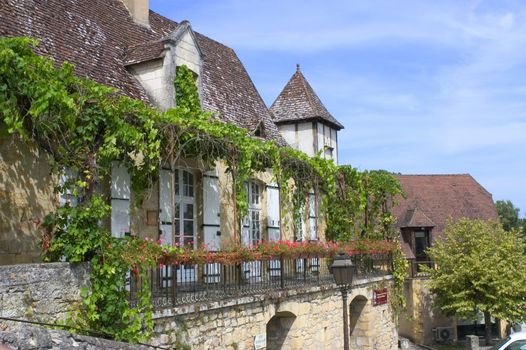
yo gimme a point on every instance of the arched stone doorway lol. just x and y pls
(359, 323)
(277, 329)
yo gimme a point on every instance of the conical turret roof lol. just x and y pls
(299, 102)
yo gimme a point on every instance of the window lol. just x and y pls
(178, 222)
(251, 224)
(329, 152)
(67, 178)
(421, 244)
(517, 345)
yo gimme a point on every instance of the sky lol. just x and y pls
(421, 86)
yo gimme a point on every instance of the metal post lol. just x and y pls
(345, 319)
(281, 272)
(174, 284)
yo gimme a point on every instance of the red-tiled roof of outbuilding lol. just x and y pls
(440, 198)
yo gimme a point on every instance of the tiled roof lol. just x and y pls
(144, 52)
(416, 218)
(299, 102)
(440, 197)
(406, 249)
(99, 37)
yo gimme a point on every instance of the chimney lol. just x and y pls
(139, 10)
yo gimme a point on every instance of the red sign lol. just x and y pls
(379, 297)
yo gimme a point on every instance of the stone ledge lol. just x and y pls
(243, 300)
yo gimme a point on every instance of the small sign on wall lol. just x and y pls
(379, 297)
(260, 341)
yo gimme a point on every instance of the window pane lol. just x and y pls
(188, 184)
(177, 226)
(517, 345)
(189, 228)
(177, 211)
(189, 211)
(176, 182)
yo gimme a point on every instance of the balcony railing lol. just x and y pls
(182, 284)
(417, 268)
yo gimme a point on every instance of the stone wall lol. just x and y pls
(40, 292)
(304, 318)
(28, 337)
(26, 196)
(301, 319)
(422, 317)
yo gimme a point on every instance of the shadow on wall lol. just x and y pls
(430, 317)
(26, 196)
(358, 323)
(277, 329)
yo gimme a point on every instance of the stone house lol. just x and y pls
(431, 201)
(124, 45)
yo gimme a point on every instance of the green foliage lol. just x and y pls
(75, 231)
(82, 125)
(400, 266)
(186, 93)
(362, 205)
(77, 236)
(477, 270)
(508, 215)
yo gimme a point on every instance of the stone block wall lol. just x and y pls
(421, 317)
(302, 319)
(41, 292)
(26, 196)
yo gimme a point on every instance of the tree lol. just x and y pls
(508, 215)
(480, 268)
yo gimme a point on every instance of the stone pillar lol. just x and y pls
(472, 342)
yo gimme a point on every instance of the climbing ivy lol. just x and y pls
(84, 127)
(362, 207)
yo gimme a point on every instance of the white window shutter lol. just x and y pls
(313, 220)
(211, 211)
(120, 200)
(273, 215)
(165, 205)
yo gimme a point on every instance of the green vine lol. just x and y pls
(84, 127)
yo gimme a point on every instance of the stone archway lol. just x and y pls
(278, 328)
(359, 323)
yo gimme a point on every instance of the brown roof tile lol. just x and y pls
(440, 197)
(416, 218)
(99, 37)
(144, 52)
(298, 102)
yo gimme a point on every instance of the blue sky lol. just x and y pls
(422, 87)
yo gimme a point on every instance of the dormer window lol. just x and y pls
(329, 152)
(259, 131)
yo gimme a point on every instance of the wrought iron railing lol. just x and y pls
(417, 268)
(183, 284)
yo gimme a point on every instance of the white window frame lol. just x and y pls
(251, 225)
(177, 179)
